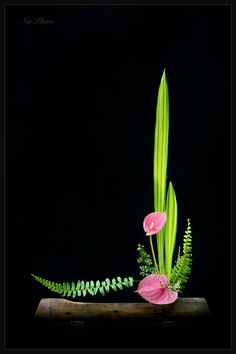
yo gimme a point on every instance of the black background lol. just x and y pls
(80, 115)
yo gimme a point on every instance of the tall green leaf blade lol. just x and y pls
(160, 160)
(170, 228)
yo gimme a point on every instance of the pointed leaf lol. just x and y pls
(82, 285)
(101, 289)
(131, 281)
(97, 283)
(107, 287)
(92, 284)
(119, 285)
(91, 291)
(113, 286)
(160, 160)
(108, 281)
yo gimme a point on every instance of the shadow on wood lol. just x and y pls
(65, 310)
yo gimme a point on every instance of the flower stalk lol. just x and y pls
(153, 255)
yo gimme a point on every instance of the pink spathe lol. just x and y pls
(153, 288)
(154, 222)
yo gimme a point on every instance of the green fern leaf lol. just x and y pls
(107, 287)
(82, 285)
(87, 285)
(83, 288)
(182, 269)
(113, 286)
(108, 281)
(119, 285)
(92, 284)
(126, 282)
(101, 289)
(91, 291)
(131, 281)
(95, 290)
(145, 261)
(97, 283)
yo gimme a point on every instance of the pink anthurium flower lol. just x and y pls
(154, 222)
(153, 288)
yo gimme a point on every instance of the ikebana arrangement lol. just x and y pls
(162, 281)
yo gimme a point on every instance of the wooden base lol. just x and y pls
(59, 309)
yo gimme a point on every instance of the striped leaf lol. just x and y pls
(170, 227)
(160, 160)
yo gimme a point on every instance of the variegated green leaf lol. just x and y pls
(170, 228)
(160, 160)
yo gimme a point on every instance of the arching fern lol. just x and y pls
(82, 288)
(182, 269)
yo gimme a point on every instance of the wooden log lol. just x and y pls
(65, 310)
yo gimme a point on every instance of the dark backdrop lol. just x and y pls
(80, 114)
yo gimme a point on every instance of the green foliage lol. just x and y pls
(145, 261)
(160, 160)
(170, 228)
(182, 269)
(166, 238)
(82, 288)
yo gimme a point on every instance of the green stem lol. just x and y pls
(153, 254)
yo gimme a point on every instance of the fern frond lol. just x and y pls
(145, 261)
(182, 269)
(82, 288)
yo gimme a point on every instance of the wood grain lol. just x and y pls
(62, 309)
